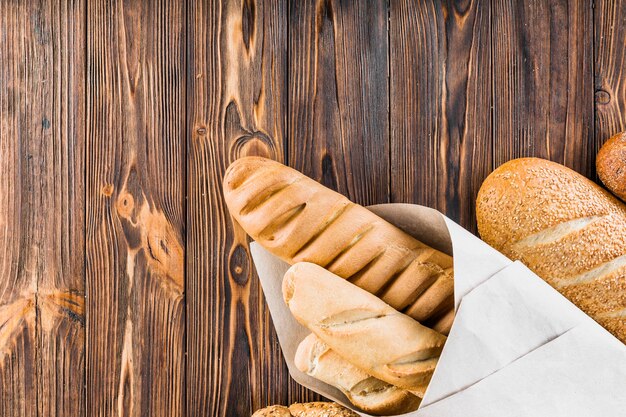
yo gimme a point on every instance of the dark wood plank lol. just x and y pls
(135, 191)
(236, 107)
(440, 101)
(41, 210)
(543, 85)
(610, 62)
(339, 96)
(338, 108)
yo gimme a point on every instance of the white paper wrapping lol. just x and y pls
(516, 348)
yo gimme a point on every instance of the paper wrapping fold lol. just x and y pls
(511, 329)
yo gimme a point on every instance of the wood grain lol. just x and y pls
(339, 96)
(236, 107)
(440, 100)
(41, 209)
(135, 187)
(543, 85)
(118, 119)
(610, 61)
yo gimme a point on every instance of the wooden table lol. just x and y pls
(125, 290)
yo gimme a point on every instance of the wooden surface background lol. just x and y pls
(124, 288)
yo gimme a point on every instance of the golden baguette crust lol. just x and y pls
(567, 229)
(315, 358)
(611, 164)
(361, 328)
(298, 219)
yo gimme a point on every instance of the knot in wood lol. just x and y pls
(125, 205)
(107, 190)
(239, 265)
(603, 97)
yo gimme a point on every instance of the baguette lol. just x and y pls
(370, 394)
(298, 219)
(361, 328)
(611, 165)
(565, 228)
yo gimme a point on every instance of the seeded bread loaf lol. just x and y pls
(298, 219)
(361, 328)
(320, 409)
(273, 411)
(567, 229)
(316, 409)
(316, 358)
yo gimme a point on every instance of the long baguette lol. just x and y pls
(361, 328)
(298, 219)
(568, 230)
(370, 394)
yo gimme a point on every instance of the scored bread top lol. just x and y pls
(370, 394)
(362, 328)
(298, 219)
(564, 227)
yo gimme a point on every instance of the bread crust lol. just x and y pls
(273, 411)
(320, 409)
(611, 164)
(314, 409)
(315, 358)
(363, 329)
(298, 219)
(564, 227)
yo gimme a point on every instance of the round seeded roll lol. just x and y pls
(315, 409)
(298, 219)
(320, 409)
(273, 411)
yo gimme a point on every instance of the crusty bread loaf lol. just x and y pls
(568, 230)
(316, 409)
(319, 409)
(273, 411)
(611, 164)
(298, 219)
(361, 328)
(370, 394)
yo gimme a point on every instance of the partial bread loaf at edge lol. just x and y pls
(611, 164)
(320, 409)
(567, 229)
(361, 328)
(315, 409)
(298, 219)
(315, 358)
